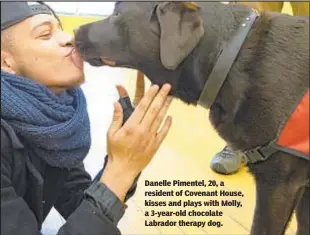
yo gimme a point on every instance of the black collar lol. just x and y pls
(225, 60)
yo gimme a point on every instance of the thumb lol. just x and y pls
(117, 118)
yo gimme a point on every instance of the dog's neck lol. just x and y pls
(199, 64)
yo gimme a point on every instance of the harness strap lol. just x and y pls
(262, 153)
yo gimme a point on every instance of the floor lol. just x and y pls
(185, 155)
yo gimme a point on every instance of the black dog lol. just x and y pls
(180, 43)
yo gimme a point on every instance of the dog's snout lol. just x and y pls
(85, 46)
(81, 34)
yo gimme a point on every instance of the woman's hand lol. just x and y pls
(132, 146)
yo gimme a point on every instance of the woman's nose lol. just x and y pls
(66, 39)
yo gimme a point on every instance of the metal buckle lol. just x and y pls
(254, 155)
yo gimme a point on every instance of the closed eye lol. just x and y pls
(45, 35)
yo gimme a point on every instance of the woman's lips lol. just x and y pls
(77, 59)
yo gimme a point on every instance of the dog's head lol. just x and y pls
(148, 36)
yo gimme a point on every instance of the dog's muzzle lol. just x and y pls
(89, 52)
(96, 62)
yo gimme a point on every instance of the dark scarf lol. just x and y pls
(55, 128)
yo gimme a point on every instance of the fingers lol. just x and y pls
(142, 107)
(163, 132)
(117, 119)
(156, 106)
(122, 91)
(160, 117)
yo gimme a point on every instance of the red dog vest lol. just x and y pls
(293, 137)
(295, 134)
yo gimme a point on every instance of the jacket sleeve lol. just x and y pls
(79, 181)
(133, 187)
(91, 201)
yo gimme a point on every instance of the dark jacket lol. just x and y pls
(30, 188)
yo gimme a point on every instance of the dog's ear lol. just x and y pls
(181, 28)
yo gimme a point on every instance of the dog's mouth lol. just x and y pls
(95, 62)
(104, 61)
(98, 61)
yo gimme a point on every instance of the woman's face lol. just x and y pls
(44, 53)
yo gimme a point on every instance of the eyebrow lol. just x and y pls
(44, 23)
